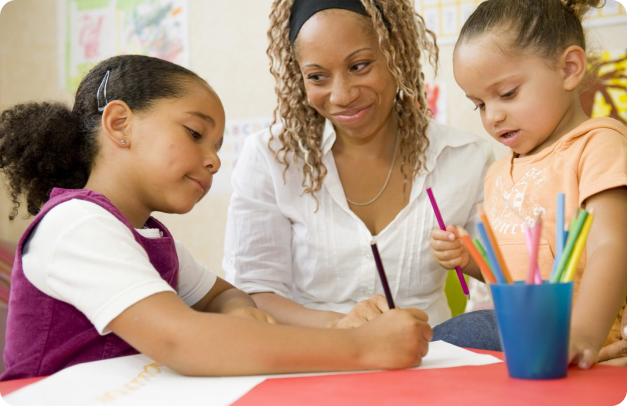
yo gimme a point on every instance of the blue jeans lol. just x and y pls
(471, 330)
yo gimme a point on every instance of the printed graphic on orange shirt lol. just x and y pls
(606, 92)
(510, 209)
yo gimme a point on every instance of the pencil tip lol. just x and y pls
(468, 297)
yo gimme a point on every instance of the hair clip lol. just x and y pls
(104, 82)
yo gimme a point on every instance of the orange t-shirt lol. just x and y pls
(589, 159)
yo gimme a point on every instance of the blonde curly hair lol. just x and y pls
(402, 36)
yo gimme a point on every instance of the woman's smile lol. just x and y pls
(348, 117)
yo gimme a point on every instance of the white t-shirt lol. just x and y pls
(81, 254)
(276, 240)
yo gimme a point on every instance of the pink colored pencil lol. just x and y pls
(533, 242)
(438, 217)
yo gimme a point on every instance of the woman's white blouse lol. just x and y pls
(277, 242)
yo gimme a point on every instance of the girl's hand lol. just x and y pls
(397, 339)
(245, 311)
(581, 353)
(363, 312)
(447, 249)
(616, 353)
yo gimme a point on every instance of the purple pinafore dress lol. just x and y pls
(45, 335)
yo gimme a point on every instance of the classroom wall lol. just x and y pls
(227, 44)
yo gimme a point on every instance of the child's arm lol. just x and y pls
(163, 327)
(447, 249)
(226, 299)
(604, 283)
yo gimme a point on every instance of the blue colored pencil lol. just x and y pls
(494, 263)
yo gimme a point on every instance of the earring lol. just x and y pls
(123, 142)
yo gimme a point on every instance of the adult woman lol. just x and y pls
(348, 163)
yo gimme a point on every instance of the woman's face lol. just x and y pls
(346, 76)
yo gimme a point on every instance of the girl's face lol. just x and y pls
(346, 76)
(521, 99)
(175, 146)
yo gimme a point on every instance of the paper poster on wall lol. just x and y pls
(235, 133)
(606, 94)
(93, 30)
(446, 17)
(436, 98)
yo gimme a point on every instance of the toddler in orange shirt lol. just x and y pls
(521, 63)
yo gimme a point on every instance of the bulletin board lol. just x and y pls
(90, 31)
(446, 17)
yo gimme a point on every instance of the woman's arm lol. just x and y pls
(226, 299)
(604, 283)
(289, 312)
(208, 344)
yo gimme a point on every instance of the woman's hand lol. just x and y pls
(363, 312)
(616, 353)
(244, 310)
(447, 249)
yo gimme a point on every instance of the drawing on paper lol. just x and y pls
(95, 30)
(606, 96)
(149, 371)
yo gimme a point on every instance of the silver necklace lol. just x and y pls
(386, 181)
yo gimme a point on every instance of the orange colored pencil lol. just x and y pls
(476, 255)
(497, 251)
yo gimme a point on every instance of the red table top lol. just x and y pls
(484, 385)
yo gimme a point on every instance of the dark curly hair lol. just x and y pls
(45, 145)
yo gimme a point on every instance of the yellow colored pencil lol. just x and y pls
(571, 267)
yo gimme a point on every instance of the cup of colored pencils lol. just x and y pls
(533, 315)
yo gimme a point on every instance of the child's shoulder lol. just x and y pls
(603, 132)
(73, 212)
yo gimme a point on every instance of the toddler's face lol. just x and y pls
(521, 99)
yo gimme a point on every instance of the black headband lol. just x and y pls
(302, 10)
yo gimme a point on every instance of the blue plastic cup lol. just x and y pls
(534, 327)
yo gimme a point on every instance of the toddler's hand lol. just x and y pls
(397, 339)
(249, 312)
(616, 353)
(447, 249)
(582, 354)
(363, 312)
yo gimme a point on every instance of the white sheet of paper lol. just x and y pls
(137, 380)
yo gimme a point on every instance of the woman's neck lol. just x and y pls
(380, 143)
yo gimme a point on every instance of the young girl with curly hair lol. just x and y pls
(97, 277)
